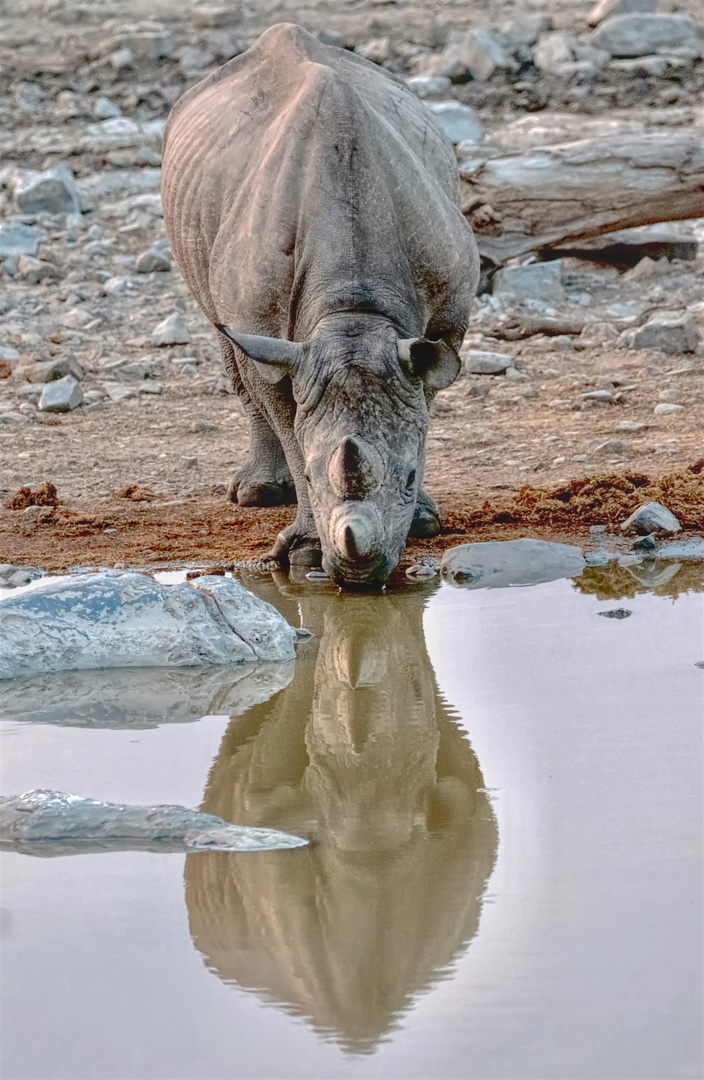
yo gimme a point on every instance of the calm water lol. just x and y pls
(504, 797)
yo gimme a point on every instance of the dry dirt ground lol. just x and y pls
(506, 456)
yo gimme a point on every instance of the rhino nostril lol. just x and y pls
(350, 544)
(411, 478)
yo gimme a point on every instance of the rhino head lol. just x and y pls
(361, 421)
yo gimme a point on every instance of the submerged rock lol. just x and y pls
(116, 619)
(499, 563)
(43, 822)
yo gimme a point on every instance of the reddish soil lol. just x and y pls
(210, 530)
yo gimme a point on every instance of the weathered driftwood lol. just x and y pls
(565, 193)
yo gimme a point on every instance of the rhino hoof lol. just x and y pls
(426, 520)
(269, 494)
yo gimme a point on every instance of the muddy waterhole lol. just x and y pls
(503, 796)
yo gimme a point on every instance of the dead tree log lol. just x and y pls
(567, 193)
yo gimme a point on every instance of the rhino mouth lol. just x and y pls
(356, 555)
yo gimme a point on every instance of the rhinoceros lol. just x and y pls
(311, 204)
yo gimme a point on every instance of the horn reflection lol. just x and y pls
(360, 753)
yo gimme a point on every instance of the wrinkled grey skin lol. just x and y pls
(311, 204)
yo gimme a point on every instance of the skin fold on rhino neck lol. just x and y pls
(361, 755)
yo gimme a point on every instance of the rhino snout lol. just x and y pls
(357, 542)
(355, 470)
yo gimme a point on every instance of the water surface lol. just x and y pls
(503, 793)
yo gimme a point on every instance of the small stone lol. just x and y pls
(105, 109)
(561, 343)
(646, 268)
(672, 332)
(605, 396)
(597, 530)
(419, 572)
(476, 362)
(424, 86)
(62, 395)
(615, 613)
(144, 44)
(172, 331)
(652, 65)
(482, 55)
(671, 395)
(204, 427)
(121, 59)
(118, 393)
(605, 9)
(50, 370)
(459, 122)
(151, 387)
(666, 407)
(18, 239)
(76, 317)
(189, 462)
(652, 517)
(643, 34)
(33, 271)
(377, 50)
(606, 446)
(633, 426)
(514, 373)
(553, 50)
(541, 281)
(628, 560)
(646, 543)
(596, 333)
(152, 260)
(53, 191)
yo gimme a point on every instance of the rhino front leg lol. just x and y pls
(426, 519)
(298, 544)
(265, 479)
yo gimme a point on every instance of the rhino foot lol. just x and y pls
(248, 489)
(426, 519)
(296, 546)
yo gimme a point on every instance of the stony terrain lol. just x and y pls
(600, 367)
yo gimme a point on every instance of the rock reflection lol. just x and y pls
(360, 754)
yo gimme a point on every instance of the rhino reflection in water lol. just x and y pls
(360, 754)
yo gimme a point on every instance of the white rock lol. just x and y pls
(19, 239)
(61, 395)
(8, 353)
(117, 392)
(553, 50)
(477, 362)
(666, 407)
(459, 122)
(44, 822)
(424, 86)
(500, 563)
(116, 619)
(644, 34)
(672, 332)
(105, 109)
(651, 517)
(482, 55)
(53, 191)
(172, 331)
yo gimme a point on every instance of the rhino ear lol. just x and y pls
(273, 357)
(435, 362)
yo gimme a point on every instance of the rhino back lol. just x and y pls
(300, 179)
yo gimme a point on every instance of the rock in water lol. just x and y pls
(459, 122)
(116, 619)
(499, 563)
(651, 518)
(42, 822)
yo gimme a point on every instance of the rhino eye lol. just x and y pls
(411, 478)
